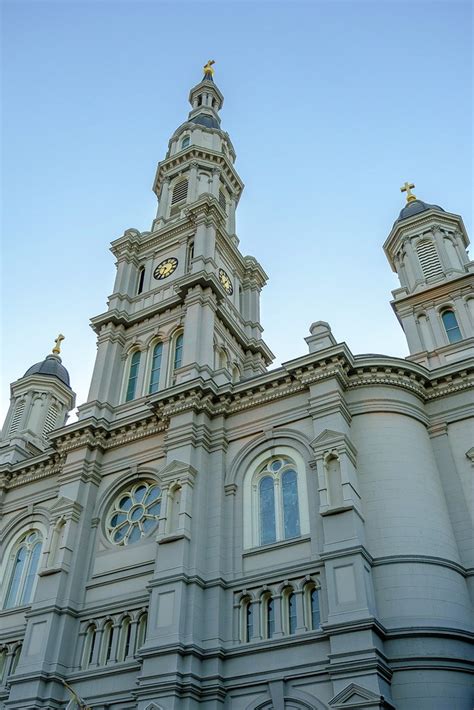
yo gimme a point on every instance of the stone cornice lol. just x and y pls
(444, 290)
(336, 362)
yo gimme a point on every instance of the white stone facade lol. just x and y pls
(212, 534)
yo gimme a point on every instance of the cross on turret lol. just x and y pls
(407, 187)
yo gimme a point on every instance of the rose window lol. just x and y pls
(134, 513)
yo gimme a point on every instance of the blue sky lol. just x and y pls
(331, 106)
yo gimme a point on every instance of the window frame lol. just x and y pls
(456, 328)
(308, 606)
(251, 498)
(27, 572)
(150, 389)
(136, 378)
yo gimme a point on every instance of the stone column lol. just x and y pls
(164, 198)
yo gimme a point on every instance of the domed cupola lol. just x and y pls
(40, 402)
(427, 248)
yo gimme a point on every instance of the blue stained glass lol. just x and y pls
(153, 493)
(291, 514)
(155, 368)
(292, 614)
(148, 524)
(139, 493)
(133, 376)
(154, 509)
(125, 503)
(15, 578)
(136, 513)
(117, 519)
(31, 574)
(120, 534)
(276, 465)
(315, 613)
(135, 535)
(267, 511)
(451, 326)
(178, 351)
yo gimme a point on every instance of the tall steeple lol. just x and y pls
(435, 303)
(186, 301)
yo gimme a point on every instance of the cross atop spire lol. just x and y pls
(407, 187)
(208, 70)
(57, 344)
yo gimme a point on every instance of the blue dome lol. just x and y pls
(50, 366)
(415, 207)
(203, 119)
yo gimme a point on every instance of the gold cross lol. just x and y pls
(57, 346)
(407, 187)
(208, 67)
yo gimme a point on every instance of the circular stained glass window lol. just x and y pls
(134, 513)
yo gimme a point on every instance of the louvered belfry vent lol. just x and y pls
(180, 191)
(17, 416)
(429, 259)
(50, 419)
(222, 200)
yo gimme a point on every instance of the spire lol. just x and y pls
(206, 100)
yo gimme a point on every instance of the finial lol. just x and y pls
(407, 187)
(57, 344)
(208, 70)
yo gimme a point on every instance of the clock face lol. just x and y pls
(165, 268)
(226, 282)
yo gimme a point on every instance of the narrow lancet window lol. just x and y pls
(289, 490)
(155, 368)
(451, 326)
(133, 376)
(267, 511)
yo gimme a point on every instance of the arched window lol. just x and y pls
(89, 646)
(275, 498)
(278, 501)
(268, 621)
(185, 142)
(177, 355)
(451, 326)
(291, 618)
(134, 513)
(26, 557)
(106, 645)
(180, 191)
(124, 642)
(155, 368)
(133, 376)
(142, 627)
(312, 611)
(141, 279)
(246, 619)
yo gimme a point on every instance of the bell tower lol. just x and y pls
(435, 303)
(185, 303)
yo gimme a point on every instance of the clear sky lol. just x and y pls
(331, 106)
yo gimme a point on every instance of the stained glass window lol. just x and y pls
(178, 351)
(24, 570)
(155, 368)
(133, 376)
(278, 506)
(451, 326)
(291, 515)
(315, 613)
(267, 511)
(134, 513)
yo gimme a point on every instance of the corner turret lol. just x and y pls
(40, 402)
(427, 248)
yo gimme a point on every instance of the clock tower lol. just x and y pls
(185, 303)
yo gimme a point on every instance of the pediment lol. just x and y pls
(355, 696)
(65, 505)
(177, 471)
(327, 436)
(330, 439)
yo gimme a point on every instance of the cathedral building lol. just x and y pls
(214, 534)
